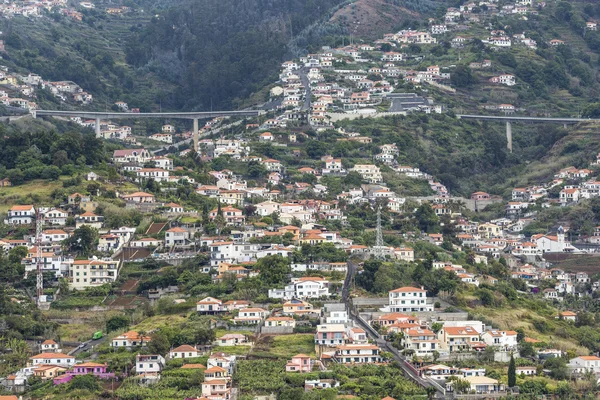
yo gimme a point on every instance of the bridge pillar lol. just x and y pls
(196, 135)
(97, 127)
(509, 135)
(565, 126)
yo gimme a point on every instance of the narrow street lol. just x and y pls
(409, 371)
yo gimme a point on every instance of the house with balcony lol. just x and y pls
(149, 363)
(20, 215)
(422, 341)
(582, 364)
(90, 219)
(55, 217)
(232, 215)
(459, 338)
(218, 389)
(408, 299)
(302, 288)
(299, 363)
(210, 305)
(176, 236)
(92, 273)
(506, 340)
(251, 316)
(298, 307)
(330, 334)
(357, 354)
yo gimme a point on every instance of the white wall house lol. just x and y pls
(302, 288)
(408, 299)
(149, 363)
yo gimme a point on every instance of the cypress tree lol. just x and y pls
(512, 372)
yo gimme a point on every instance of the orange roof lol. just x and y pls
(55, 232)
(461, 330)
(214, 369)
(90, 364)
(21, 208)
(177, 229)
(568, 314)
(49, 341)
(301, 356)
(184, 348)
(193, 366)
(139, 194)
(590, 358)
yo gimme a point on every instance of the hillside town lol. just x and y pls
(320, 244)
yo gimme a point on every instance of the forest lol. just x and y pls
(218, 51)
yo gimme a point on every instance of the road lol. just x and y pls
(526, 119)
(307, 91)
(88, 346)
(409, 371)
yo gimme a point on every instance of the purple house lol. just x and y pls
(98, 370)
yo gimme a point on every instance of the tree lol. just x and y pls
(83, 240)
(428, 221)
(159, 344)
(462, 77)
(87, 382)
(274, 270)
(512, 372)
(117, 322)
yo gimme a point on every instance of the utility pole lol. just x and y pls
(39, 287)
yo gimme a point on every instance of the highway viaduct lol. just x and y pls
(194, 116)
(510, 119)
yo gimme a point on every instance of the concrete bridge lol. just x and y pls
(194, 116)
(510, 119)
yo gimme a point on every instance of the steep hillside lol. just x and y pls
(372, 18)
(217, 51)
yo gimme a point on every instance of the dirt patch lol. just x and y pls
(589, 263)
(372, 18)
(134, 253)
(156, 227)
(130, 285)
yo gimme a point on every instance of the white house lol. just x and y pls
(357, 354)
(503, 339)
(408, 299)
(184, 351)
(209, 305)
(52, 358)
(92, 273)
(20, 215)
(232, 339)
(55, 217)
(582, 364)
(251, 315)
(130, 339)
(149, 363)
(302, 288)
(176, 237)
